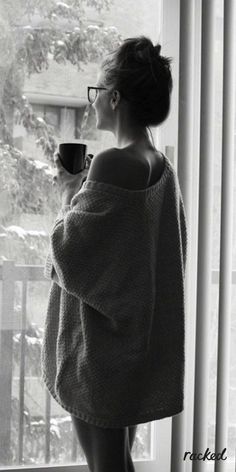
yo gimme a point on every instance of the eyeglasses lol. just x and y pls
(92, 93)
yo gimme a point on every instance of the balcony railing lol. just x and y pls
(13, 320)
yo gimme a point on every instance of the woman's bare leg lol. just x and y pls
(106, 449)
(84, 435)
(132, 433)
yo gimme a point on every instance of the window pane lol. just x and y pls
(43, 101)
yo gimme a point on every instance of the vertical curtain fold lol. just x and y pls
(185, 146)
(226, 239)
(205, 226)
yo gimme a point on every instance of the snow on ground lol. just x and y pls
(21, 232)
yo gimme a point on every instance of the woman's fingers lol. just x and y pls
(56, 158)
(88, 160)
(57, 161)
(60, 168)
(54, 180)
(64, 179)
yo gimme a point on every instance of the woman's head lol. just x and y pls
(142, 77)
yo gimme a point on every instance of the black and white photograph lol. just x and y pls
(117, 235)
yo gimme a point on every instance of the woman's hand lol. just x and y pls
(69, 184)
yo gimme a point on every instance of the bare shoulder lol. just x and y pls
(117, 167)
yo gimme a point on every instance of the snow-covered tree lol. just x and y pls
(33, 33)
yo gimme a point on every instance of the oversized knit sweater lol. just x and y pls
(113, 350)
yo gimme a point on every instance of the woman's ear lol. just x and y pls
(115, 99)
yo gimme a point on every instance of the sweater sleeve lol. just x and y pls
(93, 253)
(49, 271)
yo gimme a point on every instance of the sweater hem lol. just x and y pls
(146, 417)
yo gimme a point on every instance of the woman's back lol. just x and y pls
(151, 159)
(133, 167)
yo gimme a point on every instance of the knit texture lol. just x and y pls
(113, 350)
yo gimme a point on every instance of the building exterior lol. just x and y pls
(59, 94)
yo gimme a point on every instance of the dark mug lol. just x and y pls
(72, 156)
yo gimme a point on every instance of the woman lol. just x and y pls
(132, 93)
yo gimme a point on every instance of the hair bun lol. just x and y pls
(157, 49)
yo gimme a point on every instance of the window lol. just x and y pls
(46, 85)
(51, 53)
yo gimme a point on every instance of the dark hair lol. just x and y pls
(143, 77)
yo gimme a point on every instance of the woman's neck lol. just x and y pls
(134, 139)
